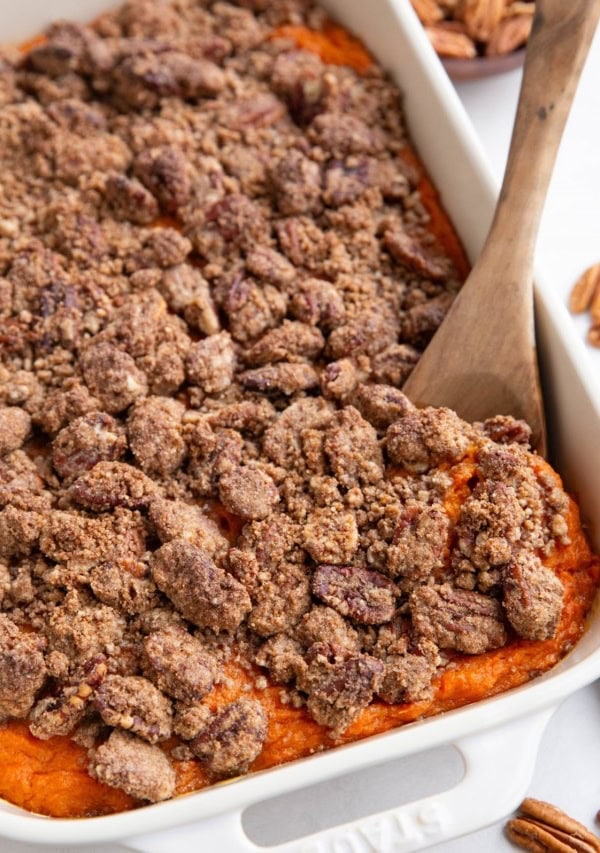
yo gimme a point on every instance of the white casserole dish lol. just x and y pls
(498, 752)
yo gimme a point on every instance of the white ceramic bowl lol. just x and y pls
(498, 737)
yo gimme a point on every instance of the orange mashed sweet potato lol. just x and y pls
(50, 777)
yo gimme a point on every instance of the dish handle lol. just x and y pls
(498, 766)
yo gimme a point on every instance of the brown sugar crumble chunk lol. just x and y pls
(218, 267)
(22, 669)
(139, 768)
(248, 492)
(135, 704)
(89, 439)
(232, 739)
(204, 593)
(178, 664)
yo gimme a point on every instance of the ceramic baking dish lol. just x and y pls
(497, 738)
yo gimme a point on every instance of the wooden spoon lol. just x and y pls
(482, 360)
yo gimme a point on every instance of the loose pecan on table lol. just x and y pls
(542, 827)
(585, 296)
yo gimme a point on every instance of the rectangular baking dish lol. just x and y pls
(498, 737)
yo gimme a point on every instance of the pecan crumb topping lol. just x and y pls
(217, 270)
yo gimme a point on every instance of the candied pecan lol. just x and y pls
(189, 720)
(346, 180)
(339, 379)
(211, 363)
(164, 171)
(154, 432)
(252, 309)
(133, 703)
(297, 75)
(504, 429)
(111, 484)
(22, 669)
(130, 200)
(340, 684)
(381, 405)
(211, 455)
(54, 58)
(238, 221)
(424, 438)
(408, 677)
(15, 425)
(205, 594)
(140, 769)
(270, 266)
(260, 110)
(286, 342)
(331, 535)
(406, 249)
(419, 543)
(252, 416)
(232, 739)
(318, 303)
(283, 440)
(352, 448)
(179, 520)
(296, 181)
(117, 584)
(77, 116)
(394, 364)
(282, 378)
(302, 241)
(325, 625)
(457, 618)
(248, 492)
(418, 324)
(95, 437)
(282, 656)
(532, 597)
(142, 80)
(179, 664)
(112, 376)
(365, 596)
(164, 248)
(57, 715)
(368, 332)
(187, 293)
(341, 134)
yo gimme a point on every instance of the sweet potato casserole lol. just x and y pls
(227, 539)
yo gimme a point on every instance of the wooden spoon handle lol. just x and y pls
(555, 56)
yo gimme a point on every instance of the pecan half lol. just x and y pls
(451, 43)
(584, 290)
(365, 596)
(457, 619)
(543, 827)
(511, 33)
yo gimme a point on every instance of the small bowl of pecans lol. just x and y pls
(477, 38)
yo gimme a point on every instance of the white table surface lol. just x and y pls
(566, 772)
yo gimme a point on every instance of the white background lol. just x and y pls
(568, 768)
